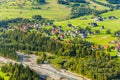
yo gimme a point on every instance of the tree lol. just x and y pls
(39, 61)
(108, 31)
(37, 17)
(40, 1)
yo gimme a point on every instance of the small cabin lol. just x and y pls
(93, 24)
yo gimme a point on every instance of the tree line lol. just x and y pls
(78, 11)
(20, 21)
(67, 2)
(107, 5)
(114, 1)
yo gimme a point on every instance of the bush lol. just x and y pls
(108, 31)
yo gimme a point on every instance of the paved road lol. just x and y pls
(43, 70)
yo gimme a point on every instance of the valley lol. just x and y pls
(60, 39)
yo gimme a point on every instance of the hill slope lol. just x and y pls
(26, 9)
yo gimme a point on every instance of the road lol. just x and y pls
(43, 70)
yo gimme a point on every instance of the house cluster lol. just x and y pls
(58, 31)
(99, 18)
(73, 32)
(117, 48)
(84, 18)
(93, 24)
(29, 26)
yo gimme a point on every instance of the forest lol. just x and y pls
(19, 72)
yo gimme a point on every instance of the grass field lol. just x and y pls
(50, 10)
(4, 75)
(96, 6)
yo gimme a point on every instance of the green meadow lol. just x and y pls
(26, 9)
(3, 75)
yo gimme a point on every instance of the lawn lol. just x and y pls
(4, 75)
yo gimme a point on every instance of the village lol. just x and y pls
(70, 31)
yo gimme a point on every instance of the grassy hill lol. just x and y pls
(52, 10)
(101, 38)
(26, 9)
(96, 6)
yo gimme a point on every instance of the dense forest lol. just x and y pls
(19, 72)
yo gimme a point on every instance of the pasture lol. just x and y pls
(25, 9)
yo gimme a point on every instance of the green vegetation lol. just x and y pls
(87, 45)
(114, 1)
(3, 76)
(17, 72)
(26, 9)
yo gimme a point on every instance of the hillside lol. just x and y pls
(26, 9)
(52, 10)
(74, 36)
(104, 39)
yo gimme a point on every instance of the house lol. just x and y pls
(113, 42)
(61, 31)
(91, 33)
(53, 27)
(24, 27)
(44, 24)
(74, 34)
(67, 33)
(102, 27)
(62, 36)
(37, 25)
(69, 41)
(98, 19)
(105, 47)
(93, 24)
(84, 35)
(83, 18)
(69, 25)
(117, 48)
(111, 17)
(54, 31)
(118, 6)
(59, 27)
